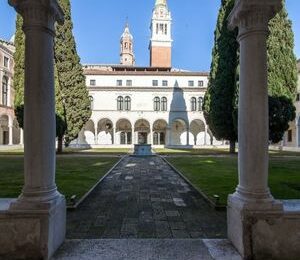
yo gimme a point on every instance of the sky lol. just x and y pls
(98, 25)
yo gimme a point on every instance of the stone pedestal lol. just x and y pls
(142, 150)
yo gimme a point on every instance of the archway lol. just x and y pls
(104, 135)
(123, 132)
(180, 134)
(88, 136)
(141, 131)
(198, 129)
(4, 130)
(159, 132)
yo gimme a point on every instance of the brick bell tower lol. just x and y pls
(161, 40)
(126, 53)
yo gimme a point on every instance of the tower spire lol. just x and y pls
(161, 2)
(126, 53)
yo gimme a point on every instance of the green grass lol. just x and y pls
(202, 151)
(74, 176)
(219, 175)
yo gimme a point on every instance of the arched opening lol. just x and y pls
(179, 133)
(197, 128)
(123, 132)
(105, 132)
(4, 130)
(142, 130)
(88, 136)
(159, 132)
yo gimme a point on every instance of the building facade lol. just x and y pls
(156, 105)
(10, 133)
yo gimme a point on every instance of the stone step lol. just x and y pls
(147, 249)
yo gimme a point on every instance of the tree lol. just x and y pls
(74, 98)
(219, 101)
(19, 70)
(282, 62)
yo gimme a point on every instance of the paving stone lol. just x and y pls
(145, 198)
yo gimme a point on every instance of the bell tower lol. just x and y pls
(161, 40)
(126, 53)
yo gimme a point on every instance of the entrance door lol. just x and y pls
(142, 138)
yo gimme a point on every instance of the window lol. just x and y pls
(157, 28)
(127, 103)
(91, 102)
(5, 62)
(92, 82)
(200, 83)
(123, 138)
(164, 104)
(156, 104)
(119, 83)
(193, 104)
(166, 29)
(120, 103)
(4, 91)
(128, 83)
(298, 97)
(161, 28)
(191, 83)
(154, 83)
(200, 103)
(165, 83)
(290, 136)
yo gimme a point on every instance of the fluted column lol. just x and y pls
(39, 115)
(252, 17)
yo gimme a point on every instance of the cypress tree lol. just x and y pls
(74, 95)
(19, 70)
(219, 101)
(282, 62)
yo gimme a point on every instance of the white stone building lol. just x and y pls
(9, 130)
(157, 105)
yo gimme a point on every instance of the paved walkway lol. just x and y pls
(145, 198)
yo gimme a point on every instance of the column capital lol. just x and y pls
(253, 15)
(39, 13)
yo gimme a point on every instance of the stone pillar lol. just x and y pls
(151, 135)
(205, 135)
(21, 136)
(252, 193)
(96, 134)
(169, 136)
(10, 131)
(40, 205)
(187, 136)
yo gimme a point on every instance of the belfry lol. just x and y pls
(126, 53)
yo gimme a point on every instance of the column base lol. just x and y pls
(32, 233)
(262, 230)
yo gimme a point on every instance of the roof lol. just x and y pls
(117, 69)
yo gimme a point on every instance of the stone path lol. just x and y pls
(145, 198)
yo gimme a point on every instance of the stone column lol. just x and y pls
(252, 193)
(40, 200)
(169, 136)
(10, 131)
(205, 135)
(21, 136)
(96, 134)
(151, 135)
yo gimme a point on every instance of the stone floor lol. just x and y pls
(145, 198)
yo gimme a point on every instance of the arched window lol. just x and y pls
(120, 103)
(164, 104)
(155, 138)
(4, 91)
(127, 103)
(193, 104)
(91, 102)
(200, 103)
(156, 104)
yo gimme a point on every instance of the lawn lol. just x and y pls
(219, 175)
(74, 175)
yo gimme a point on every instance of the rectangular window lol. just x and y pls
(166, 29)
(298, 97)
(191, 83)
(154, 83)
(5, 62)
(161, 28)
(165, 83)
(119, 83)
(290, 136)
(92, 82)
(128, 83)
(200, 83)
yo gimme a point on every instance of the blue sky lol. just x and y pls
(98, 25)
